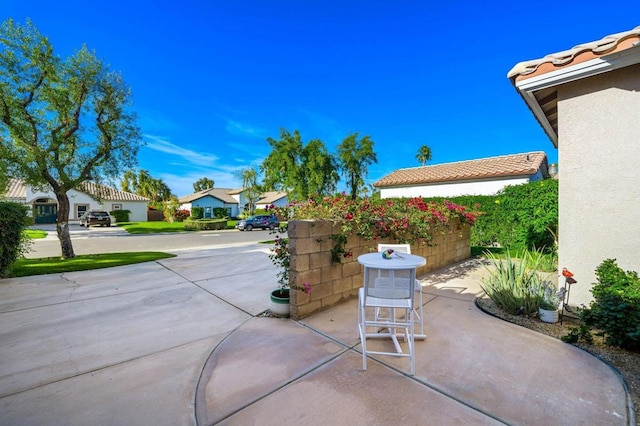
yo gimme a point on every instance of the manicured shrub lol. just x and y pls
(13, 242)
(205, 224)
(615, 309)
(120, 215)
(181, 215)
(219, 212)
(197, 212)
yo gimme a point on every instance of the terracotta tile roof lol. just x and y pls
(222, 194)
(18, 190)
(271, 197)
(581, 53)
(107, 193)
(486, 168)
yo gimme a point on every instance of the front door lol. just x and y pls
(45, 213)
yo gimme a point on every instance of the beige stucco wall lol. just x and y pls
(599, 165)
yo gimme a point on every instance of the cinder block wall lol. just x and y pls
(310, 246)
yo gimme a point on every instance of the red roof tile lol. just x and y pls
(486, 168)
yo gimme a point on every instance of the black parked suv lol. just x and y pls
(95, 217)
(262, 221)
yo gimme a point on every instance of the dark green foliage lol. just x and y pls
(220, 213)
(120, 215)
(205, 224)
(615, 309)
(519, 217)
(197, 212)
(578, 333)
(13, 242)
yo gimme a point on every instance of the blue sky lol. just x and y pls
(211, 80)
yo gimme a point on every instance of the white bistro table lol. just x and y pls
(396, 262)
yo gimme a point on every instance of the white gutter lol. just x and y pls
(529, 86)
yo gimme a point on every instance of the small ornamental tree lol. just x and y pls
(62, 122)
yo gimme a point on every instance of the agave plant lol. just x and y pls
(514, 284)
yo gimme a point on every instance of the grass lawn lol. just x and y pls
(35, 233)
(56, 265)
(548, 262)
(159, 227)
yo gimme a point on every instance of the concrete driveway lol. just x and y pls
(123, 345)
(180, 342)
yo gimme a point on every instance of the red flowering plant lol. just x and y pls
(412, 221)
(407, 220)
(280, 257)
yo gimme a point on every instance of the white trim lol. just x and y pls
(624, 58)
(529, 86)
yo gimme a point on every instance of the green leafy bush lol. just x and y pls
(205, 224)
(520, 216)
(515, 284)
(197, 212)
(615, 309)
(120, 215)
(13, 240)
(219, 212)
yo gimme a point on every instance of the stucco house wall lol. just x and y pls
(488, 187)
(599, 131)
(138, 209)
(209, 203)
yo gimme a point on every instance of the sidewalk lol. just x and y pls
(180, 342)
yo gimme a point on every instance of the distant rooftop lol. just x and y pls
(494, 167)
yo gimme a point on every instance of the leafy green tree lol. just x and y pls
(145, 185)
(203, 184)
(318, 171)
(298, 169)
(355, 155)
(281, 168)
(62, 122)
(424, 155)
(252, 189)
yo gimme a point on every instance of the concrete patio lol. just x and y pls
(181, 342)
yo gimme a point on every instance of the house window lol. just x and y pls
(116, 206)
(81, 209)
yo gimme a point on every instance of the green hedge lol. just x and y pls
(13, 241)
(519, 217)
(205, 224)
(120, 215)
(197, 212)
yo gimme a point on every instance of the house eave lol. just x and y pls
(528, 87)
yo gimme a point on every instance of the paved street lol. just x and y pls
(115, 239)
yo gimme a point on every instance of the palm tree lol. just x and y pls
(424, 155)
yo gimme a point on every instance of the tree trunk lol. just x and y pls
(62, 226)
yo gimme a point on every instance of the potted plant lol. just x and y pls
(280, 296)
(548, 309)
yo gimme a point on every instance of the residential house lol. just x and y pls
(210, 199)
(45, 205)
(485, 176)
(234, 201)
(587, 100)
(272, 198)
